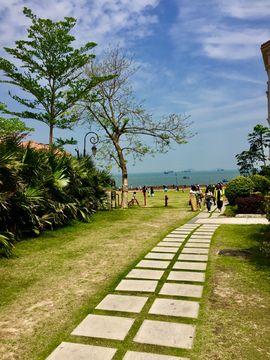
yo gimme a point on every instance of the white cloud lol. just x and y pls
(245, 9)
(100, 21)
(212, 31)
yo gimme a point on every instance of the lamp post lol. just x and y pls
(176, 179)
(93, 140)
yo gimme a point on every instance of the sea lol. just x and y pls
(180, 178)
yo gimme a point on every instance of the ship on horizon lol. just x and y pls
(168, 172)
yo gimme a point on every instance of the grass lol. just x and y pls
(54, 281)
(231, 210)
(234, 313)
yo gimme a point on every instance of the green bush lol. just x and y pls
(238, 187)
(258, 193)
(261, 183)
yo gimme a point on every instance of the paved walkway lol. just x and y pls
(167, 282)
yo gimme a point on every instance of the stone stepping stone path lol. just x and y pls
(168, 282)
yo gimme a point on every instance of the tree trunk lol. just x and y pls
(51, 134)
(123, 167)
(124, 188)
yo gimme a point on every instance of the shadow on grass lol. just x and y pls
(260, 249)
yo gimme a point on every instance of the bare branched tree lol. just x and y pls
(124, 122)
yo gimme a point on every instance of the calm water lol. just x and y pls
(159, 178)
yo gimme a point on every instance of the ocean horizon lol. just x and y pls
(181, 178)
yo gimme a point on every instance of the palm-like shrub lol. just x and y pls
(6, 243)
(40, 190)
(260, 183)
(238, 187)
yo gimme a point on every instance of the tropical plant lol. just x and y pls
(42, 189)
(6, 243)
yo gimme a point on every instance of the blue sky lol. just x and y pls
(200, 58)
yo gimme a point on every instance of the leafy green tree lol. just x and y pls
(51, 75)
(260, 139)
(245, 161)
(124, 122)
(12, 125)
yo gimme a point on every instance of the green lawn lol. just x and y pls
(234, 319)
(52, 282)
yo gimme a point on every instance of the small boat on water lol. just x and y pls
(186, 177)
(168, 172)
(224, 180)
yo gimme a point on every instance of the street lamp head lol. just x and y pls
(93, 140)
(94, 150)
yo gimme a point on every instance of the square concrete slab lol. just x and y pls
(159, 256)
(176, 236)
(209, 226)
(193, 257)
(188, 226)
(179, 232)
(196, 236)
(195, 251)
(170, 307)
(204, 233)
(145, 274)
(183, 229)
(186, 276)
(125, 303)
(69, 351)
(170, 243)
(206, 230)
(137, 285)
(182, 290)
(166, 334)
(153, 264)
(199, 240)
(134, 355)
(105, 327)
(197, 244)
(164, 249)
(176, 240)
(190, 266)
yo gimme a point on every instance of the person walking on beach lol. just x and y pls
(218, 194)
(192, 197)
(208, 197)
(152, 191)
